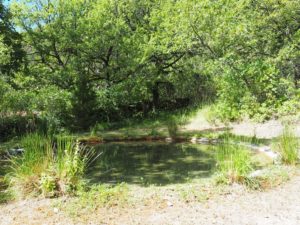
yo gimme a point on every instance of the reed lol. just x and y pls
(49, 167)
(288, 146)
(233, 162)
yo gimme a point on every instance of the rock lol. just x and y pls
(14, 152)
(254, 147)
(55, 210)
(203, 140)
(169, 139)
(170, 204)
(215, 141)
(268, 151)
(265, 149)
(194, 140)
(257, 173)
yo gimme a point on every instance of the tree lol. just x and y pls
(128, 46)
(11, 53)
(252, 48)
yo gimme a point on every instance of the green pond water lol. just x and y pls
(151, 163)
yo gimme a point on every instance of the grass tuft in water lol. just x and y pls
(288, 146)
(233, 163)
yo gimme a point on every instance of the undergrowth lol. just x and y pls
(95, 197)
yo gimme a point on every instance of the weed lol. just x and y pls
(95, 197)
(269, 177)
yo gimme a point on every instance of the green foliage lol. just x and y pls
(4, 52)
(14, 125)
(233, 163)
(112, 57)
(288, 146)
(246, 42)
(48, 167)
(105, 60)
(11, 52)
(83, 105)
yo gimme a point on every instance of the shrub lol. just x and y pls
(288, 147)
(233, 163)
(49, 167)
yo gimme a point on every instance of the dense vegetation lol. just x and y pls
(70, 64)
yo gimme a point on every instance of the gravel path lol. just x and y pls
(268, 130)
(277, 206)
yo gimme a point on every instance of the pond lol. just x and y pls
(151, 163)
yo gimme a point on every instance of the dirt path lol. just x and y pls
(278, 206)
(268, 130)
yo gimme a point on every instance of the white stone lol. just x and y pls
(55, 210)
(170, 204)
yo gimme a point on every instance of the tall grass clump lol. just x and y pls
(233, 163)
(288, 146)
(48, 167)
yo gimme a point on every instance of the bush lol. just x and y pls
(48, 167)
(233, 163)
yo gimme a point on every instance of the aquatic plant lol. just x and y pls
(288, 146)
(233, 163)
(49, 167)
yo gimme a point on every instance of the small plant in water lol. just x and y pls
(49, 167)
(233, 163)
(288, 147)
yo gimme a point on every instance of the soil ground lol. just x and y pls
(280, 205)
(266, 130)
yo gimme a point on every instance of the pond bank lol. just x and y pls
(236, 205)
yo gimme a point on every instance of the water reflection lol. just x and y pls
(151, 163)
